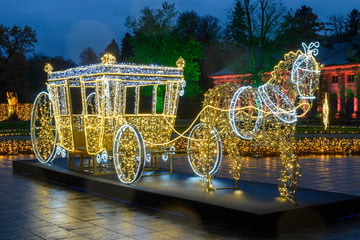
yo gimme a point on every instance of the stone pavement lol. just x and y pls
(33, 209)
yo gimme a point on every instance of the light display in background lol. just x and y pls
(326, 112)
(23, 111)
(13, 104)
(267, 114)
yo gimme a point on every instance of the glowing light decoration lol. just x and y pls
(109, 130)
(326, 112)
(204, 150)
(267, 114)
(43, 129)
(108, 58)
(12, 98)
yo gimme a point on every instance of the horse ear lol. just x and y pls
(315, 52)
(305, 47)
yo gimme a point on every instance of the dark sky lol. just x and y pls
(67, 27)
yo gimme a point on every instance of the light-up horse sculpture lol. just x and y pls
(266, 114)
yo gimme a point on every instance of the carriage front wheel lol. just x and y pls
(129, 154)
(204, 150)
(43, 128)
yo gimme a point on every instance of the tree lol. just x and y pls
(88, 56)
(127, 50)
(16, 40)
(36, 75)
(206, 30)
(15, 44)
(255, 25)
(308, 25)
(300, 26)
(114, 49)
(59, 63)
(187, 24)
(337, 25)
(153, 21)
(352, 23)
(155, 41)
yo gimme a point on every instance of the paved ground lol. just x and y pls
(32, 209)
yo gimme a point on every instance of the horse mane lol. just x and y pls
(280, 76)
(284, 66)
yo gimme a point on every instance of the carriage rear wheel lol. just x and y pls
(43, 128)
(129, 154)
(204, 150)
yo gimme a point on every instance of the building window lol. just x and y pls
(335, 79)
(351, 78)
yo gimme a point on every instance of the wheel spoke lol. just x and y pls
(43, 130)
(204, 150)
(129, 154)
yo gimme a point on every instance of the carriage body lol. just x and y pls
(110, 86)
(89, 104)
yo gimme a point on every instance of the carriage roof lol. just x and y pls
(132, 73)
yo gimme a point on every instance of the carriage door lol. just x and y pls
(77, 116)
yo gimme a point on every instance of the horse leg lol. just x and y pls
(234, 153)
(290, 171)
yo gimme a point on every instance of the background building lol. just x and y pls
(340, 79)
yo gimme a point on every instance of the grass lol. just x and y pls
(15, 125)
(14, 128)
(330, 129)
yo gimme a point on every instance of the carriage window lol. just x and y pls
(76, 103)
(145, 102)
(160, 99)
(130, 100)
(91, 101)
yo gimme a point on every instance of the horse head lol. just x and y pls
(305, 72)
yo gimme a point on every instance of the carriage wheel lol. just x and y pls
(204, 150)
(129, 154)
(43, 128)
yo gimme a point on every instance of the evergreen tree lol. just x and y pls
(88, 56)
(127, 50)
(308, 24)
(301, 26)
(114, 49)
(352, 23)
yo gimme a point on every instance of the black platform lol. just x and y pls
(254, 206)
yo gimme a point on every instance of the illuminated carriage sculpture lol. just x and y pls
(265, 114)
(110, 127)
(113, 132)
